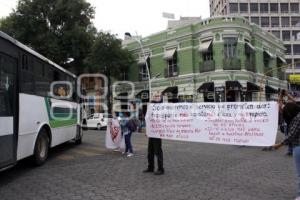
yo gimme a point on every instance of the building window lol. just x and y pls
(172, 67)
(289, 63)
(275, 21)
(295, 87)
(295, 8)
(249, 53)
(264, 8)
(295, 21)
(286, 36)
(285, 22)
(243, 7)
(288, 49)
(296, 35)
(296, 49)
(253, 7)
(297, 63)
(230, 45)
(267, 59)
(171, 58)
(274, 7)
(207, 56)
(233, 7)
(284, 7)
(255, 20)
(276, 33)
(143, 72)
(265, 22)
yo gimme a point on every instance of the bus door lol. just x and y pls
(8, 93)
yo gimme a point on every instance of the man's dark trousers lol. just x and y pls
(154, 148)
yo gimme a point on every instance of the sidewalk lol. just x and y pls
(193, 171)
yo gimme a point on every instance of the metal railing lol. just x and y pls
(207, 66)
(232, 64)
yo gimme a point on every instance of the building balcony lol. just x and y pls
(232, 64)
(143, 77)
(207, 66)
(250, 65)
(168, 73)
(268, 71)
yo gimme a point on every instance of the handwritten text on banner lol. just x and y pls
(236, 123)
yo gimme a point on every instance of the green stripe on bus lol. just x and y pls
(62, 123)
(61, 118)
(64, 115)
(48, 107)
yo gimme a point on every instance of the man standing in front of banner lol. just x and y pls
(154, 149)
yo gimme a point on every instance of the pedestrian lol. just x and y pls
(127, 133)
(155, 149)
(291, 114)
(283, 99)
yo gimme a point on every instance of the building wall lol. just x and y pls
(289, 33)
(187, 40)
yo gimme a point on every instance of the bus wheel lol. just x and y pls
(41, 148)
(78, 139)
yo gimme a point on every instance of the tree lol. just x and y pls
(107, 55)
(58, 29)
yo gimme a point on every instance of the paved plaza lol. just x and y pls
(192, 171)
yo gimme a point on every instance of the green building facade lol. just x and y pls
(216, 59)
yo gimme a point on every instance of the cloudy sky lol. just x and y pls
(141, 16)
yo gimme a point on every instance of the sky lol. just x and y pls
(142, 17)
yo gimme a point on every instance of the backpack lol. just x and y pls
(133, 124)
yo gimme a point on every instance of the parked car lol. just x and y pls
(97, 120)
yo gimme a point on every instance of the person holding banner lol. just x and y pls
(283, 99)
(154, 149)
(291, 114)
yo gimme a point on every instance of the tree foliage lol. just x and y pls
(58, 29)
(108, 56)
(63, 29)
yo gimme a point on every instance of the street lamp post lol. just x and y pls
(138, 40)
(146, 63)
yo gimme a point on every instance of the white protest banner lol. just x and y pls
(234, 123)
(113, 134)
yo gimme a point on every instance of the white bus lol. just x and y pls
(32, 119)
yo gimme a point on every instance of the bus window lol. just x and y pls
(7, 86)
(42, 83)
(28, 80)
